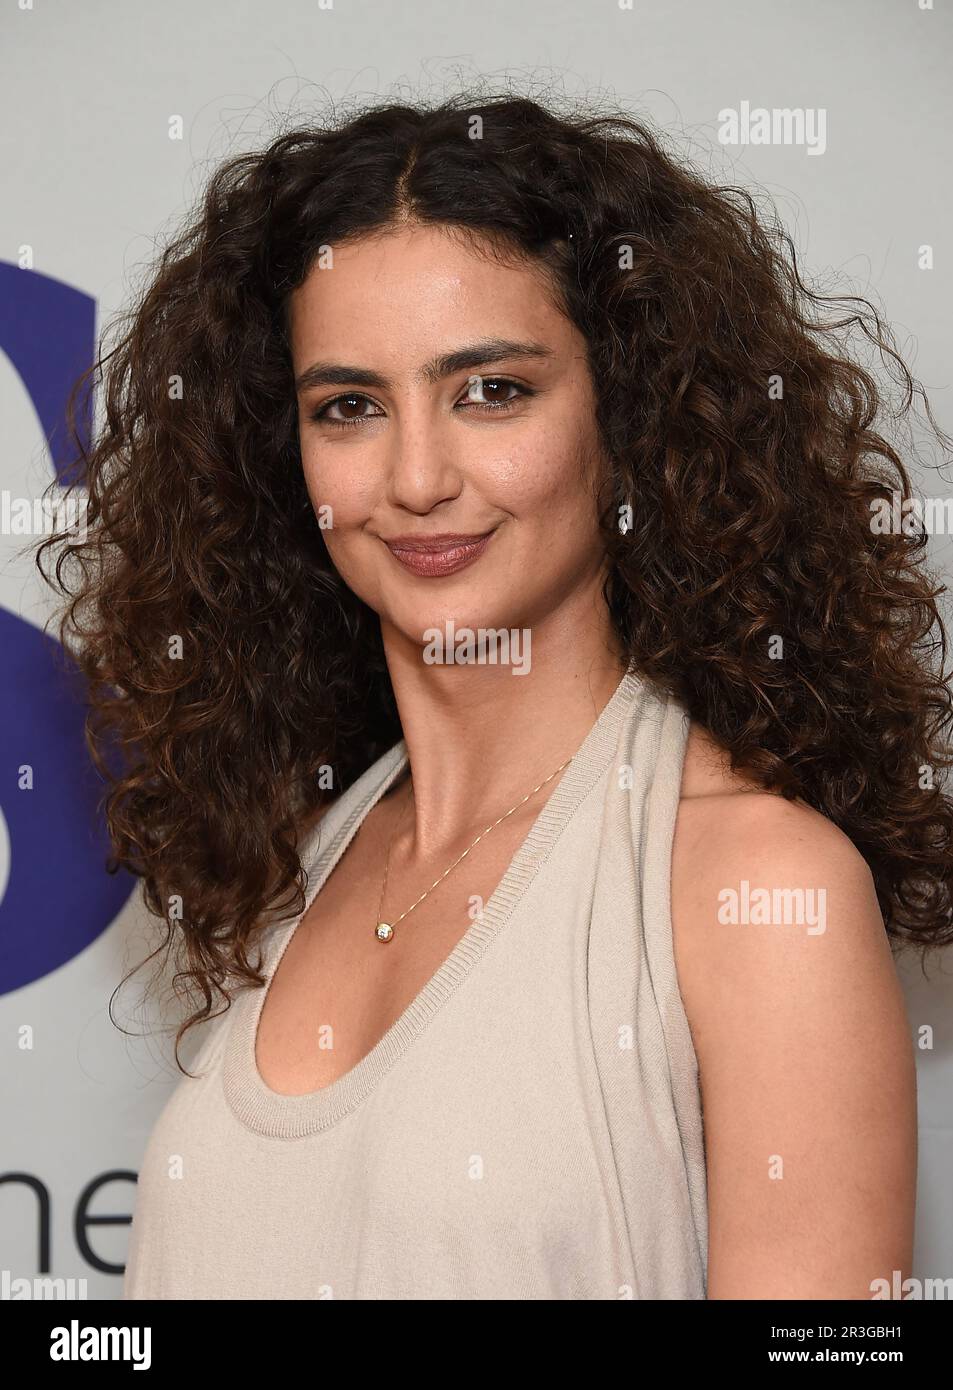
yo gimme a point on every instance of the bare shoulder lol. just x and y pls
(800, 1030)
(729, 828)
(721, 811)
(742, 857)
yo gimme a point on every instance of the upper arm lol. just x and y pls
(805, 1061)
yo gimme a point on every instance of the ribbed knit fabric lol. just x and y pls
(529, 1128)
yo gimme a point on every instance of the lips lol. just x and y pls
(435, 556)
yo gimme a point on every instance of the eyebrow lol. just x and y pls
(447, 364)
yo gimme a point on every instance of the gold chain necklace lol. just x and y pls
(384, 931)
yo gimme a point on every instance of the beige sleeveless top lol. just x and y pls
(529, 1128)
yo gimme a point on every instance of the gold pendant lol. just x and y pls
(383, 931)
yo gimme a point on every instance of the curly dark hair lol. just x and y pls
(751, 511)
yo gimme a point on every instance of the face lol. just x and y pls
(441, 393)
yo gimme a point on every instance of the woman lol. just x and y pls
(509, 680)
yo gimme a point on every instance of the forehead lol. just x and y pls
(421, 286)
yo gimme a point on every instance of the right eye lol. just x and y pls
(350, 398)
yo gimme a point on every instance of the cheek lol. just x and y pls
(543, 477)
(339, 484)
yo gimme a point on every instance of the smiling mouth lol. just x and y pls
(435, 556)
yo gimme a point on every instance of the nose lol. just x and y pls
(423, 468)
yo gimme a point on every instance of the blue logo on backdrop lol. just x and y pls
(58, 896)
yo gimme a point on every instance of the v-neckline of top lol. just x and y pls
(277, 1115)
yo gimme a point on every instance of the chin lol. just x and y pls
(444, 632)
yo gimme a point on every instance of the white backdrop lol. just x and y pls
(91, 182)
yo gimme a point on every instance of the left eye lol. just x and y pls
(482, 384)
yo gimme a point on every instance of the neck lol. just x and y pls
(480, 737)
